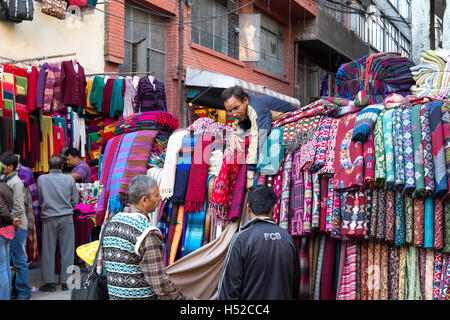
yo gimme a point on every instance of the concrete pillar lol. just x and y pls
(446, 27)
(420, 28)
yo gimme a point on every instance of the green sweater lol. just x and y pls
(96, 95)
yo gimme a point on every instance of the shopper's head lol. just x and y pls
(143, 193)
(261, 201)
(56, 162)
(235, 100)
(10, 162)
(73, 156)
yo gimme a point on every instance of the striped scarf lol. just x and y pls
(183, 168)
(348, 285)
(115, 205)
(365, 121)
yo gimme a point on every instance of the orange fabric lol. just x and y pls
(177, 234)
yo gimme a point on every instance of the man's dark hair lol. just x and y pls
(55, 162)
(262, 199)
(74, 152)
(8, 158)
(236, 91)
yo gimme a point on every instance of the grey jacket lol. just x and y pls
(6, 203)
(58, 194)
(19, 196)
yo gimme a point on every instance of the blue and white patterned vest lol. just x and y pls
(122, 239)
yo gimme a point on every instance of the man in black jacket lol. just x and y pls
(262, 262)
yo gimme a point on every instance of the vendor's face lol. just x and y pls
(237, 107)
(151, 201)
(71, 161)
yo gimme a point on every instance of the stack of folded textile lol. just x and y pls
(150, 120)
(432, 75)
(158, 154)
(370, 79)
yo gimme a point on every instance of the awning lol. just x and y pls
(203, 78)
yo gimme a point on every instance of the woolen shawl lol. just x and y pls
(428, 163)
(419, 178)
(408, 151)
(437, 141)
(183, 168)
(380, 163)
(389, 149)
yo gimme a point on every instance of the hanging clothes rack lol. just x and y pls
(46, 57)
(119, 73)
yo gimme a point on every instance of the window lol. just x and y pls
(376, 30)
(145, 44)
(217, 33)
(271, 45)
(405, 46)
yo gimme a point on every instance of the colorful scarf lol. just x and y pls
(220, 199)
(438, 224)
(198, 174)
(354, 214)
(323, 204)
(323, 134)
(380, 163)
(419, 213)
(419, 175)
(270, 156)
(438, 264)
(384, 269)
(308, 151)
(314, 109)
(427, 150)
(237, 194)
(364, 292)
(115, 205)
(277, 189)
(342, 107)
(304, 268)
(320, 259)
(412, 274)
(285, 192)
(422, 261)
(308, 202)
(409, 220)
(445, 280)
(381, 215)
(389, 150)
(397, 136)
(138, 158)
(328, 265)
(428, 223)
(349, 161)
(330, 201)
(400, 233)
(394, 260)
(429, 273)
(437, 141)
(170, 164)
(445, 109)
(328, 169)
(369, 161)
(183, 168)
(315, 214)
(446, 247)
(336, 222)
(297, 198)
(402, 273)
(408, 151)
(374, 213)
(365, 122)
(369, 207)
(390, 216)
(348, 285)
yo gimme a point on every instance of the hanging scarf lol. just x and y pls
(308, 151)
(381, 215)
(183, 168)
(427, 150)
(402, 273)
(323, 134)
(390, 216)
(323, 204)
(304, 268)
(445, 109)
(399, 219)
(219, 202)
(237, 194)
(384, 271)
(409, 220)
(428, 223)
(198, 174)
(285, 192)
(370, 269)
(408, 151)
(329, 209)
(438, 264)
(445, 280)
(389, 150)
(374, 214)
(364, 293)
(422, 261)
(380, 163)
(369, 208)
(438, 224)
(320, 259)
(308, 202)
(369, 161)
(365, 122)
(446, 247)
(349, 161)
(328, 265)
(412, 274)
(115, 205)
(394, 259)
(336, 222)
(138, 159)
(270, 156)
(354, 214)
(348, 286)
(170, 164)
(315, 214)
(297, 198)
(419, 178)
(397, 132)
(277, 188)
(437, 141)
(419, 212)
(429, 273)
(328, 169)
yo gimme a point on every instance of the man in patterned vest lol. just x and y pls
(132, 248)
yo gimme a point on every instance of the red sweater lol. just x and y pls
(32, 88)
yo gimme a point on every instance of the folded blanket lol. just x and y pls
(380, 163)
(389, 149)
(397, 132)
(419, 178)
(437, 141)
(427, 149)
(365, 121)
(408, 151)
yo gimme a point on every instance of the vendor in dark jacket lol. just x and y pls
(262, 262)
